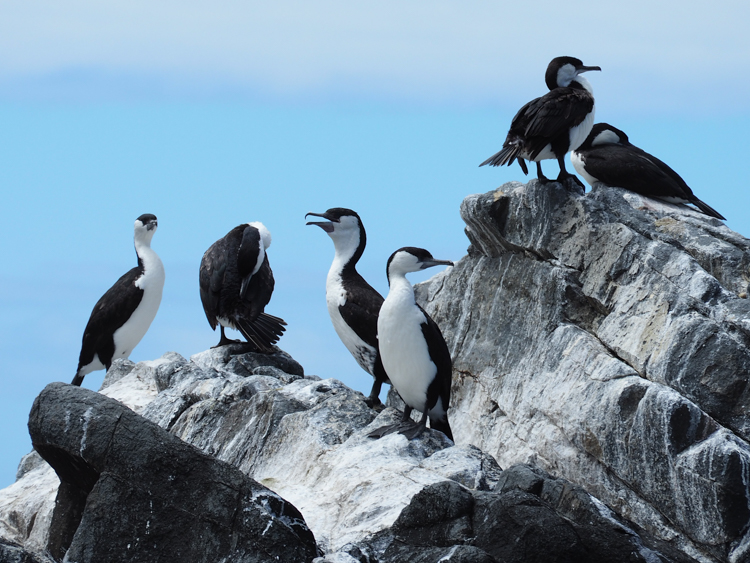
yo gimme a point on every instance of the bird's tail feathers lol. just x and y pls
(77, 380)
(442, 425)
(510, 152)
(263, 332)
(707, 209)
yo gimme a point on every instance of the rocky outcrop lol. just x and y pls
(130, 491)
(601, 353)
(606, 338)
(366, 500)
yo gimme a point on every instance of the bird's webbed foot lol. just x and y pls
(571, 182)
(404, 424)
(224, 341)
(374, 403)
(412, 429)
(384, 430)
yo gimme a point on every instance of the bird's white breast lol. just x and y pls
(151, 282)
(363, 353)
(403, 349)
(579, 162)
(579, 133)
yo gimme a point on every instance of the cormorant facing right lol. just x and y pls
(553, 125)
(414, 352)
(607, 156)
(124, 313)
(236, 283)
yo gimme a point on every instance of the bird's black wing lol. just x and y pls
(441, 357)
(638, 171)
(259, 328)
(690, 196)
(361, 309)
(258, 291)
(620, 166)
(111, 312)
(211, 278)
(441, 385)
(554, 114)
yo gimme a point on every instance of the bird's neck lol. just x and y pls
(148, 260)
(401, 291)
(348, 253)
(582, 84)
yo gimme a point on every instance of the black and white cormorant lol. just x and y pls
(353, 304)
(122, 316)
(553, 125)
(236, 283)
(607, 156)
(415, 355)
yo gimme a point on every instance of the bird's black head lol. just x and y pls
(334, 215)
(345, 229)
(411, 259)
(562, 71)
(604, 134)
(148, 220)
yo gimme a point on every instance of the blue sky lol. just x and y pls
(214, 114)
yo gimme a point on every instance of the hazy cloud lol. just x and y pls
(419, 51)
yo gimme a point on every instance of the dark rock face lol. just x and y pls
(131, 491)
(605, 338)
(529, 517)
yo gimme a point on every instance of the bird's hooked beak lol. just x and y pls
(151, 225)
(587, 68)
(327, 226)
(430, 262)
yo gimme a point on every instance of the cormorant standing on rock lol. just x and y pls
(236, 283)
(123, 314)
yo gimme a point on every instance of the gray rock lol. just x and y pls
(120, 368)
(12, 553)
(130, 491)
(29, 462)
(237, 360)
(601, 338)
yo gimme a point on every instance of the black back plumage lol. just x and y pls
(620, 163)
(544, 121)
(230, 290)
(361, 309)
(440, 388)
(549, 119)
(112, 311)
(360, 312)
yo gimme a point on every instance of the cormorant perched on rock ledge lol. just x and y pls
(553, 125)
(415, 355)
(236, 283)
(122, 316)
(607, 156)
(353, 304)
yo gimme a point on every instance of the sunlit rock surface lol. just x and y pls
(605, 338)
